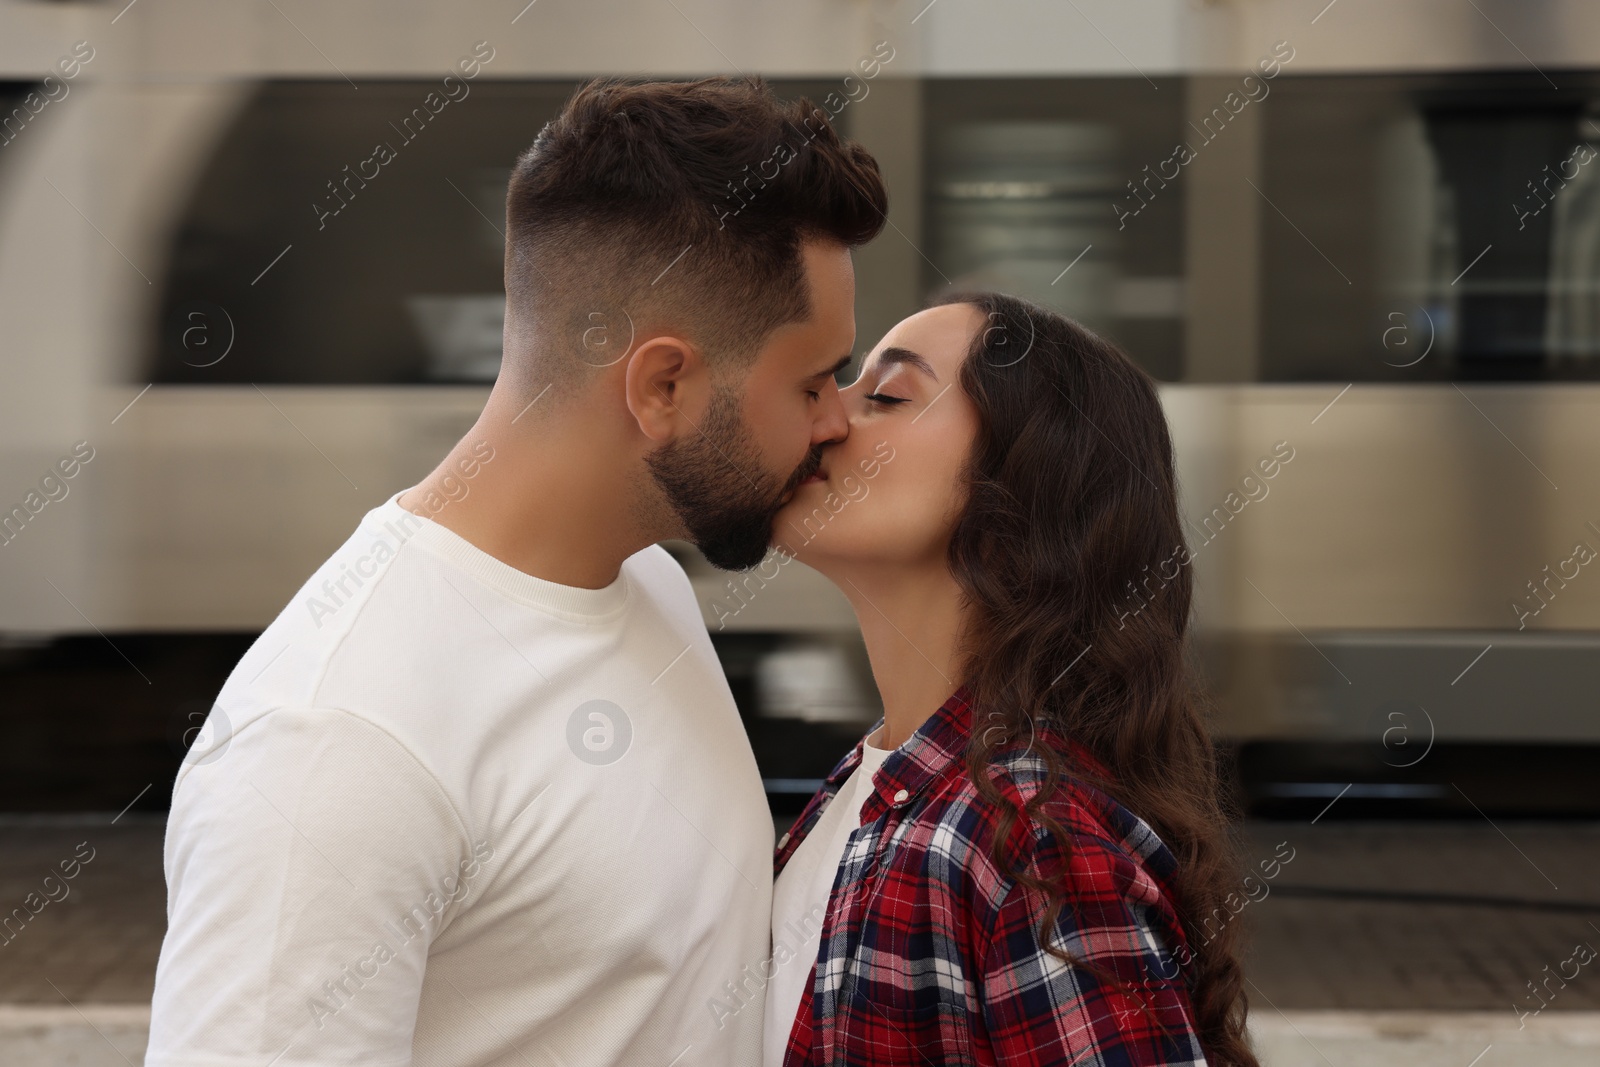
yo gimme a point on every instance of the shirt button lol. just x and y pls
(784, 840)
(900, 797)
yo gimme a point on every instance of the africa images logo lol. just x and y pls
(599, 732)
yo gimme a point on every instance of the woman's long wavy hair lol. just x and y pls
(1063, 553)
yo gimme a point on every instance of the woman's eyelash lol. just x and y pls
(879, 398)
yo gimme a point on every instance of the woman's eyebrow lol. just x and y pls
(888, 357)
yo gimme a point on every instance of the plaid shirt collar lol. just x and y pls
(909, 769)
(925, 758)
(926, 755)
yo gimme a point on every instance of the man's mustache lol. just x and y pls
(804, 471)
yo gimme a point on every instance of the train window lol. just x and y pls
(1432, 227)
(15, 117)
(354, 238)
(1023, 175)
(1400, 227)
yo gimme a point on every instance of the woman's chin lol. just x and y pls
(799, 523)
(816, 536)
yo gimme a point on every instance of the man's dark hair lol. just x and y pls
(682, 202)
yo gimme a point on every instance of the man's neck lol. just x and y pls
(543, 501)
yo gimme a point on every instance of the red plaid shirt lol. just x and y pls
(930, 955)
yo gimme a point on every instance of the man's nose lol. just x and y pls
(833, 425)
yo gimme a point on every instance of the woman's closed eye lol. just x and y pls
(880, 398)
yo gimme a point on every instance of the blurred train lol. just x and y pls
(1371, 272)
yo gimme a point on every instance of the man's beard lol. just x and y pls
(718, 488)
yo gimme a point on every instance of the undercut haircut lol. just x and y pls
(681, 203)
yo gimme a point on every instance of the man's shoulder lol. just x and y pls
(663, 579)
(244, 747)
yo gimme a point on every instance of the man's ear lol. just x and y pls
(667, 385)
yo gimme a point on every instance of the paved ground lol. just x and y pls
(1365, 918)
(1424, 1039)
(98, 943)
(1451, 916)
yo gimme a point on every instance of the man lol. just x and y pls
(480, 794)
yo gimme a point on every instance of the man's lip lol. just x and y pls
(817, 475)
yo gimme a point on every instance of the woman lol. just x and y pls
(1024, 862)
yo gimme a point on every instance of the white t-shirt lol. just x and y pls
(447, 813)
(800, 899)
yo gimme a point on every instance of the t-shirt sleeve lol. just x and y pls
(310, 864)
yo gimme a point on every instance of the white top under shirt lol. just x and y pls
(800, 900)
(398, 840)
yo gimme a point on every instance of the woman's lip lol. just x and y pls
(817, 477)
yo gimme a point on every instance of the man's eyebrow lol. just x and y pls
(890, 356)
(844, 361)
